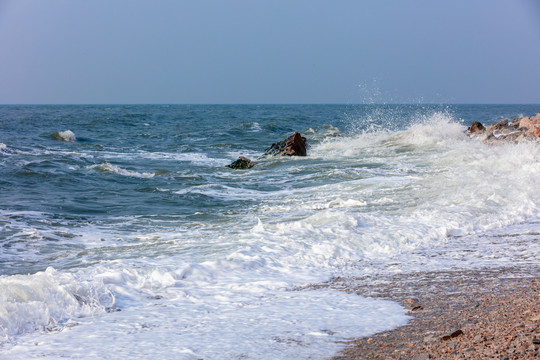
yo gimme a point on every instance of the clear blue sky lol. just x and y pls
(273, 51)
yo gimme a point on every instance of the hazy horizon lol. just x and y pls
(255, 52)
(263, 104)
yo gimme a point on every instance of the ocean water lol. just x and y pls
(123, 233)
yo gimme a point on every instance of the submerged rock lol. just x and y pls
(295, 145)
(525, 128)
(241, 163)
(67, 136)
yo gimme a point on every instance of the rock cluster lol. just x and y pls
(524, 128)
(295, 145)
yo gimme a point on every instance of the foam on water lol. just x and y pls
(191, 157)
(431, 182)
(273, 327)
(109, 168)
(254, 309)
(255, 127)
(239, 285)
(47, 300)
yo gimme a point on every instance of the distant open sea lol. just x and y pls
(123, 235)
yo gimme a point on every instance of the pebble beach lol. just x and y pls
(492, 314)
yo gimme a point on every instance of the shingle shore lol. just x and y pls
(490, 314)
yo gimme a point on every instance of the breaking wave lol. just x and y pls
(109, 168)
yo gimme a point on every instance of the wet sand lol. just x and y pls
(484, 314)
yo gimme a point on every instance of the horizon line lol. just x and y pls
(262, 104)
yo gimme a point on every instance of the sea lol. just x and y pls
(123, 233)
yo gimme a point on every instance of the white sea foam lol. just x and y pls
(46, 300)
(191, 157)
(255, 127)
(107, 167)
(459, 186)
(255, 317)
(229, 192)
(3, 147)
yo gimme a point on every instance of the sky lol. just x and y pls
(274, 51)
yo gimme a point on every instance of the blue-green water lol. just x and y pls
(132, 208)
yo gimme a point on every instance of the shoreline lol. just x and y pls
(459, 314)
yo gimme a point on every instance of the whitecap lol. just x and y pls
(198, 159)
(107, 167)
(255, 127)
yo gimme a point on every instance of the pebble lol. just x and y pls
(452, 335)
(479, 339)
(412, 304)
(429, 339)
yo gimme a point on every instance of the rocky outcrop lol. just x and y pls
(524, 128)
(295, 145)
(476, 126)
(532, 124)
(241, 163)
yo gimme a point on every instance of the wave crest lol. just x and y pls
(107, 167)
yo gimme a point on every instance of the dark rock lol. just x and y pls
(452, 335)
(412, 304)
(295, 145)
(241, 163)
(475, 126)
